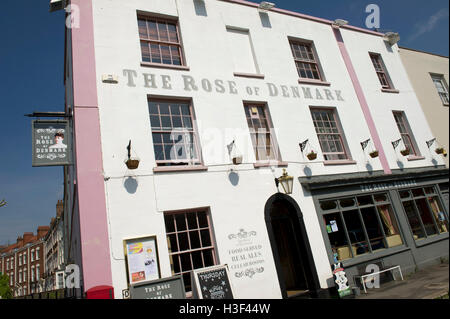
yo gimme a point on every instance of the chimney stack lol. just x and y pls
(42, 231)
(59, 208)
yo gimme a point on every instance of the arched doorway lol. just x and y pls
(290, 246)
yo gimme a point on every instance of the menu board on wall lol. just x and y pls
(142, 259)
(213, 283)
(166, 288)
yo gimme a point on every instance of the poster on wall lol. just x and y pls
(142, 261)
(212, 283)
(51, 143)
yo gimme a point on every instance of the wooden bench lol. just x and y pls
(363, 278)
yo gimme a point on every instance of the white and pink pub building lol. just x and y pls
(217, 103)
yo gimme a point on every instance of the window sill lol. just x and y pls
(431, 239)
(162, 169)
(314, 82)
(269, 164)
(390, 91)
(415, 158)
(249, 75)
(342, 162)
(165, 66)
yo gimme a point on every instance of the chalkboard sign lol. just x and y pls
(213, 283)
(166, 288)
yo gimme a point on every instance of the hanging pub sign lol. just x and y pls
(166, 288)
(51, 143)
(212, 283)
(141, 256)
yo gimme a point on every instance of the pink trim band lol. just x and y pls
(362, 101)
(95, 247)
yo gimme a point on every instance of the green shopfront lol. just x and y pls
(388, 220)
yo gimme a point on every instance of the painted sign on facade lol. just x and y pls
(51, 143)
(246, 258)
(166, 288)
(213, 283)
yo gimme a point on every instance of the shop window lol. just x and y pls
(190, 243)
(306, 60)
(441, 87)
(425, 212)
(380, 69)
(330, 135)
(366, 226)
(160, 41)
(261, 132)
(175, 139)
(406, 134)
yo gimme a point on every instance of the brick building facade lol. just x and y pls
(23, 262)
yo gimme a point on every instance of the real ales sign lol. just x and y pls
(51, 143)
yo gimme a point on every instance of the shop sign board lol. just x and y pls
(212, 283)
(166, 288)
(51, 143)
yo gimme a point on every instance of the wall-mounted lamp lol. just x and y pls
(286, 181)
(340, 22)
(265, 6)
(391, 37)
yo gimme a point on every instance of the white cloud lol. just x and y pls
(422, 28)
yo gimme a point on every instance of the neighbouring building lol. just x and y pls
(23, 262)
(54, 252)
(184, 87)
(428, 74)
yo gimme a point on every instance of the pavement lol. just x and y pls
(429, 283)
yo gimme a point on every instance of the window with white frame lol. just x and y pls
(32, 273)
(261, 132)
(381, 71)
(405, 132)
(190, 242)
(441, 87)
(306, 60)
(160, 41)
(175, 139)
(330, 134)
(37, 253)
(37, 273)
(32, 255)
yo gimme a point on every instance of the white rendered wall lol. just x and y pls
(124, 116)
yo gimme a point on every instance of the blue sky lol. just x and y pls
(31, 79)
